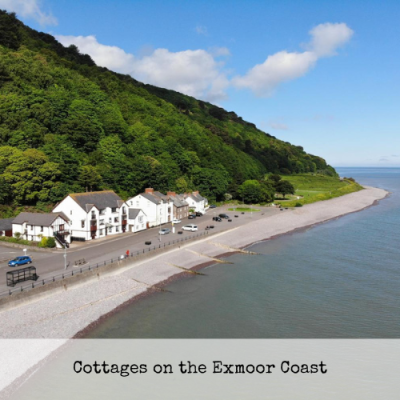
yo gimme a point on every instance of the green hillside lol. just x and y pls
(67, 125)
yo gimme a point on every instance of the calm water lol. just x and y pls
(338, 279)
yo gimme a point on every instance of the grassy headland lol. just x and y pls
(311, 188)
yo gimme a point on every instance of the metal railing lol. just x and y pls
(96, 266)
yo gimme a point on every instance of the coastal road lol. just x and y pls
(112, 247)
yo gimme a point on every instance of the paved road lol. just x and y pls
(97, 251)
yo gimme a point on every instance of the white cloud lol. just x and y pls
(280, 67)
(284, 66)
(193, 72)
(111, 57)
(28, 9)
(201, 74)
(326, 38)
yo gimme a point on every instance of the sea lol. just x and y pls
(339, 279)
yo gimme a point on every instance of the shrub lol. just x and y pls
(298, 204)
(43, 242)
(51, 242)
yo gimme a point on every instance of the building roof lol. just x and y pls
(179, 202)
(38, 218)
(161, 196)
(197, 197)
(134, 212)
(151, 197)
(100, 200)
(6, 224)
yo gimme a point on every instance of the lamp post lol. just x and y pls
(65, 257)
(24, 250)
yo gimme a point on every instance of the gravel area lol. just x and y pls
(64, 314)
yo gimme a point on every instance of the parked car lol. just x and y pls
(224, 216)
(176, 221)
(22, 260)
(217, 219)
(213, 206)
(198, 214)
(192, 216)
(164, 231)
(190, 227)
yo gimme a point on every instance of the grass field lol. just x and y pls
(312, 188)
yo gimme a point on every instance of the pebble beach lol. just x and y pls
(65, 314)
(69, 313)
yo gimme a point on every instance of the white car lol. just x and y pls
(176, 221)
(190, 227)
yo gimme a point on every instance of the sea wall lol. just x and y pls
(70, 309)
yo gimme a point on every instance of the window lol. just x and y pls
(70, 213)
(132, 203)
(109, 219)
(93, 215)
(101, 222)
(110, 229)
(116, 219)
(61, 228)
(101, 231)
(114, 209)
(41, 229)
(83, 223)
(137, 203)
(31, 227)
(117, 229)
(123, 210)
(141, 219)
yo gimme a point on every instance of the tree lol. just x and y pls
(275, 178)
(284, 188)
(252, 191)
(31, 176)
(90, 178)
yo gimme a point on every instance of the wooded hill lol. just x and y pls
(67, 125)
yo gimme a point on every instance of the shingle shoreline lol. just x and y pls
(70, 312)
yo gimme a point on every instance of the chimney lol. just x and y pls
(173, 194)
(149, 190)
(195, 193)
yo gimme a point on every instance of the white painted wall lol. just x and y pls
(156, 214)
(107, 221)
(197, 206)
(139, 223)
(34, 233)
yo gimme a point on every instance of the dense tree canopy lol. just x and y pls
(68, 125)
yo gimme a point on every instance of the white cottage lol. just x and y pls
(34, 226)
(195, 201)
(94, 214)
(157, 207)
(136, 220)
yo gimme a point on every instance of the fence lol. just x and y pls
(80, 270)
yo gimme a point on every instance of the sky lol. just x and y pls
(324, 75)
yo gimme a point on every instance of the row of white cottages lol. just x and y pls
(92, 215)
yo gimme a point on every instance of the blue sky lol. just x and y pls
(320, 74)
